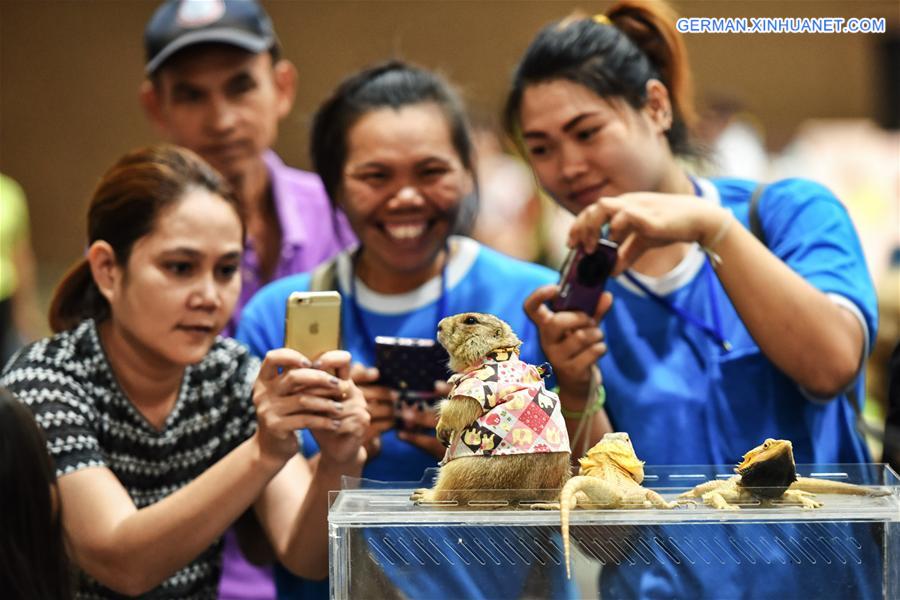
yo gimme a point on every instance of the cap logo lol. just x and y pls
(198, 13)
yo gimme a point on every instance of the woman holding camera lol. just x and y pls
(163, 434)
(719, 338)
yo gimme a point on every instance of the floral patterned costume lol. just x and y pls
(521, 415)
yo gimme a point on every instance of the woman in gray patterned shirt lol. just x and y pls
(164, 433)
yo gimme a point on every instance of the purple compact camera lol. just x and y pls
(583, 277)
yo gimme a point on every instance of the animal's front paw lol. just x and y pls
(716, 500)
(443, 433)
(809, 503)
(421, 495)
(806, 499)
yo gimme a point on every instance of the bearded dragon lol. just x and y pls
(610, 476)
(767, 473)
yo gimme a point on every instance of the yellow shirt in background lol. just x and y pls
(13, 228)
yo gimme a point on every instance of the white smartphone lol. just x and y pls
(312, 323)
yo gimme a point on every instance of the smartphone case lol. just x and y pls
(411, 365)
(312, 322)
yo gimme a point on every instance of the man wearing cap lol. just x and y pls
(217, 85)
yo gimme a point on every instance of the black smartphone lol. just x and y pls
(411, 366)
(583, 277)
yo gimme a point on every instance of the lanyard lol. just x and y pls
(715, 330)
(368, 338)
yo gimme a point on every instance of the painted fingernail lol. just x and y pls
(334, 381)
(305, 363)
(335, 424)
(338, 406)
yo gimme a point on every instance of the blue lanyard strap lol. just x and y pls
(714, 331)
(697, 190)
(368, 338)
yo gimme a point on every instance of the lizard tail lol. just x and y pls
(567, 502)
(825, 486)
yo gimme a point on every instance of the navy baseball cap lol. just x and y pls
(178, 24)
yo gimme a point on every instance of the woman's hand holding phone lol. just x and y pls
(640, 221)
(380, 403)
(571, 340)
(289, 395)
(343, 442)
(284, 404)
(419, 421)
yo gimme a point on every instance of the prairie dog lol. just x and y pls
(504, 430)
(468, 338)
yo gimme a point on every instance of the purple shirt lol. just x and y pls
(308, 236)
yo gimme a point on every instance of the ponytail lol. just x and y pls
(76, 298)
(651, 27)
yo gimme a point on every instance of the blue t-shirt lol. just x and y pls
(663, 375)
(684, 399)
(478, 279)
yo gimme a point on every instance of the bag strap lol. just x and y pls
(755, 224)
(324, 277)
(862, 426)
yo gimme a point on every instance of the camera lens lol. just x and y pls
(592, 269)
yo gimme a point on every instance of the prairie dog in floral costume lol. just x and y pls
(504, 429)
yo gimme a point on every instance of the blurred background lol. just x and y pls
(824, 106)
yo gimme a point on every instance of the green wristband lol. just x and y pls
(592, 409)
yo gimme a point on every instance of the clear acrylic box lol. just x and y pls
(382, 545)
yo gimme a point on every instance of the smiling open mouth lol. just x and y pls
(404, 232)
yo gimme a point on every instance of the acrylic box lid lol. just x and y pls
(364, 502)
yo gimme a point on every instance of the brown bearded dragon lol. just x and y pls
(767, 473)
(610, 477)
